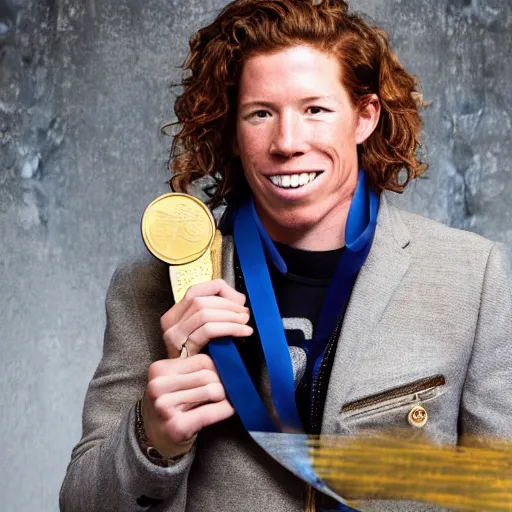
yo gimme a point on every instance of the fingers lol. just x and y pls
(192, 320)
(171, 367)
(170, 318)
(207, 332)
(215, 287)
(208, 414)
(188, 399)
(209, 289)
(204, 325)
(182, 396)
(180, 382)
(186, 425)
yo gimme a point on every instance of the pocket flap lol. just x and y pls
(420, 387)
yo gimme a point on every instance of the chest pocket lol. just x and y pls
(411, 406)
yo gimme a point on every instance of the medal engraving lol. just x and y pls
(177, 228)
(180, 230)
(185, 276)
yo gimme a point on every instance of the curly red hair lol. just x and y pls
(206, 108)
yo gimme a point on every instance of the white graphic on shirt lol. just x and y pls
(299, 324)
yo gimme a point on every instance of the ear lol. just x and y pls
(368, 119)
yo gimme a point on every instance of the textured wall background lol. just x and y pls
(83, 91)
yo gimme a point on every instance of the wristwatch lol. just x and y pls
(150, 452)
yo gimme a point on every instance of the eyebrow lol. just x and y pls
(271, 105)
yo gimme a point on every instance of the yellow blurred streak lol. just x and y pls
(476, 477)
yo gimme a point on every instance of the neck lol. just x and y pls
(325, 234)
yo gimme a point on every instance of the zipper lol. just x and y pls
(315, 419)
(315, 415)
(421, 389)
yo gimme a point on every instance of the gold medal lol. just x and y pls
(180, 230)
(177, 228)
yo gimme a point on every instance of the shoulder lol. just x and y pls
(438, 253)
(446, 262)
(423, 229)
(433, 240)
(143, 279)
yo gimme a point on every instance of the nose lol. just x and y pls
(289, 138)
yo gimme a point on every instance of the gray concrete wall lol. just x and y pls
(84, 87)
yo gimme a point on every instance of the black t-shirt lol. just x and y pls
(300, 295)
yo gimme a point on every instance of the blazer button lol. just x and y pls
(417, 416)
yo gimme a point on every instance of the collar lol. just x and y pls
(391, 223)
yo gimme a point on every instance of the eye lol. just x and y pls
(316, 110)
(260, 114)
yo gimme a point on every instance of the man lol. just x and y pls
(399, 322)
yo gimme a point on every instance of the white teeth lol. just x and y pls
(293, 180)
(304, 178)
(276, 180)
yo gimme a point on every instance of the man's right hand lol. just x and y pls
(185, 395)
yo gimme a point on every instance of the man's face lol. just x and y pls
(297, 136)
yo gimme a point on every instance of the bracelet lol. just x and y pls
(150, 452)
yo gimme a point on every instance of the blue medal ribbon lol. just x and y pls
(251, 240)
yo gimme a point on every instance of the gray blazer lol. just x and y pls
(429, 321)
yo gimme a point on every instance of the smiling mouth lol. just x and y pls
(293, 180)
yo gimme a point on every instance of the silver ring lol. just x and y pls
(184, 350)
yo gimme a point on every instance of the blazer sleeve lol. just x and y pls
(486, 408)
(108, 471)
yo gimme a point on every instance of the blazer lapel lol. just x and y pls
(378, 279)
